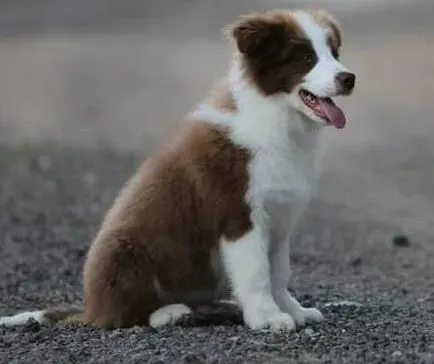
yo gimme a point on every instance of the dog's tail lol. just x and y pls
(49, 316)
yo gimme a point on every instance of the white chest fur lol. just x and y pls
(286, 152)
(282, 176)
(286, 149)
(286, 172)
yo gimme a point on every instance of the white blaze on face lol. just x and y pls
(321, 79)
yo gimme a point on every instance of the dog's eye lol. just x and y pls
(335, 53)
(308, 58)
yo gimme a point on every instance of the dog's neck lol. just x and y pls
(263, 120)
(257, 121)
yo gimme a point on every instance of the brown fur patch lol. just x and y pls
(222, 99)
(335, 33)
(275, 52)
(164, 228)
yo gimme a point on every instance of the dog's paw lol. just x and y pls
(278, 321)
(168, 315)
(306, 315)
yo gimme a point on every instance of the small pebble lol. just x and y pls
(396, 354)
(342, 303)
(115, 333)
(401, 241)
(309, 332)
(32, 325)
(133, 337)
(135, 330)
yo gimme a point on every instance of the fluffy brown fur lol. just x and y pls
(164, 228)
(221, 98)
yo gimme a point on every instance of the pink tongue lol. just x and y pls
(334, 114)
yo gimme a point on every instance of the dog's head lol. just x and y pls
(296, 54)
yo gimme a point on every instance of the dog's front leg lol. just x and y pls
(246, 261)
(280, 275)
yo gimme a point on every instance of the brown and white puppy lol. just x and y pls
(212, 213)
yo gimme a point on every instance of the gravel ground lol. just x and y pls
(52, 202)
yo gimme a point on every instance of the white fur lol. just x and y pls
(320, 80)
(207, 112)
(247, 266)
(168, 315)
(23, 317)
(285, 138)
(283, 172)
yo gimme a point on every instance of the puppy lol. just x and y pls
(211, 215)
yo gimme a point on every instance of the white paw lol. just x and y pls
(168, 315)
(301, 317)
(278, 321)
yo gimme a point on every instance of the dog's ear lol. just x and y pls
(329, 21)
(256, 34)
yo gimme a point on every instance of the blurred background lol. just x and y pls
(117, 74)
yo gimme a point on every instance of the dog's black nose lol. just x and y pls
(346, 81)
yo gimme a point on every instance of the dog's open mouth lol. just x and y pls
(325, 108)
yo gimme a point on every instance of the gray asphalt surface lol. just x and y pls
(88, 90)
